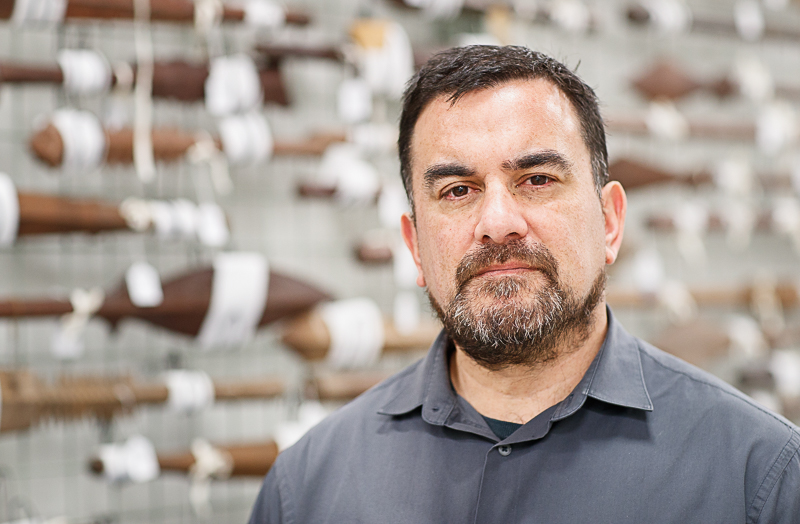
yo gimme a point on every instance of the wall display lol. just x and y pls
(294, 106)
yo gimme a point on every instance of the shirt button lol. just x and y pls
(504, 450)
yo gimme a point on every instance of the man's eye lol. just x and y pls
(538, 180)
(458, 191)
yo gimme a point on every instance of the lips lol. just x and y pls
(503, 268)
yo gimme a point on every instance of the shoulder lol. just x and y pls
(672, 380)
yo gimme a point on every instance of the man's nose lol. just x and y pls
(501, 217)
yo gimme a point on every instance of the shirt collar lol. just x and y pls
(615, 377)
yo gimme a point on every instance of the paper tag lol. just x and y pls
(406, 312)
(734, 176)
(356, 331)
(83, 138)
(405, 269)
(233, 85)
(387, 68)
(246, 139)
(38, 11)
(438, 9)
(135, 460)
(648, 270)
(238, 297)
(9, 211)
(785, 367)
(749, 20)
(669, 16)
(356, 180)
(746, 338)
(753, 77)
(776, 127)
(666, 122)
(264, 14)
(144, 285)
(374, 139)
(392, 203)
(354, 100)
(189, 391)
(309, 415)
(212, 225)
(86, 72)
(571, 15)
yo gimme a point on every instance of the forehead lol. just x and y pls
(503, 120)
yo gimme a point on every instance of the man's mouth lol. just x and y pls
(509, 268)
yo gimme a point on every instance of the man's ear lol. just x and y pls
(615, 204)
(409, 232)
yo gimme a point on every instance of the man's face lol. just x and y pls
(507, 214)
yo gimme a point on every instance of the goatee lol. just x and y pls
(508, 320)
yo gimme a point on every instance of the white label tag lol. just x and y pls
(144, 285)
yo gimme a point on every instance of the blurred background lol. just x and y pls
(199, 214)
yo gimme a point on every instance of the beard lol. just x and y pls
(506, 321)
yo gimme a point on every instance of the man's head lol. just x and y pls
(461, 70)
(503, 156)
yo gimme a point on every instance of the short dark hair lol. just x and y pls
(461, 70)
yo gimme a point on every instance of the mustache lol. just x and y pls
(534, 255)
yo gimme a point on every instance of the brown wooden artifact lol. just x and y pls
(186, 302)
(310, 336)
(169, 144)
(27, 400)
(666, 79)
(161, 10)
(247, 460)
(176, 80)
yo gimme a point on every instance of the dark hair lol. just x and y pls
(461, 70)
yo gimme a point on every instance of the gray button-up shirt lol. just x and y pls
(644, 438)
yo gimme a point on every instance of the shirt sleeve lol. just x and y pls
(267, 509)
(782, 505)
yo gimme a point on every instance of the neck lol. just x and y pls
(519, 393)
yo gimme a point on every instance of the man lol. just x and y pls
(533, 405)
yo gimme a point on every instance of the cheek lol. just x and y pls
(441, 250)
(576, 237)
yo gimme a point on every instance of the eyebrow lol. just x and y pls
(439, 171)
(546, 158)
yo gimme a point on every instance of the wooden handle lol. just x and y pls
(40, 214)
(277, 52)
(168, 145)
(19, 73)
(710, 296)
(27, 400)
(309, 336)
(160, 10)
(315, 145)
(716, 222)
(666, 80)
(374, 253)
(714, 130)
(248, 460)
(343, 386)
(315, 190)
(34, 308)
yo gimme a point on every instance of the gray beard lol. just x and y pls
(521, 325)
